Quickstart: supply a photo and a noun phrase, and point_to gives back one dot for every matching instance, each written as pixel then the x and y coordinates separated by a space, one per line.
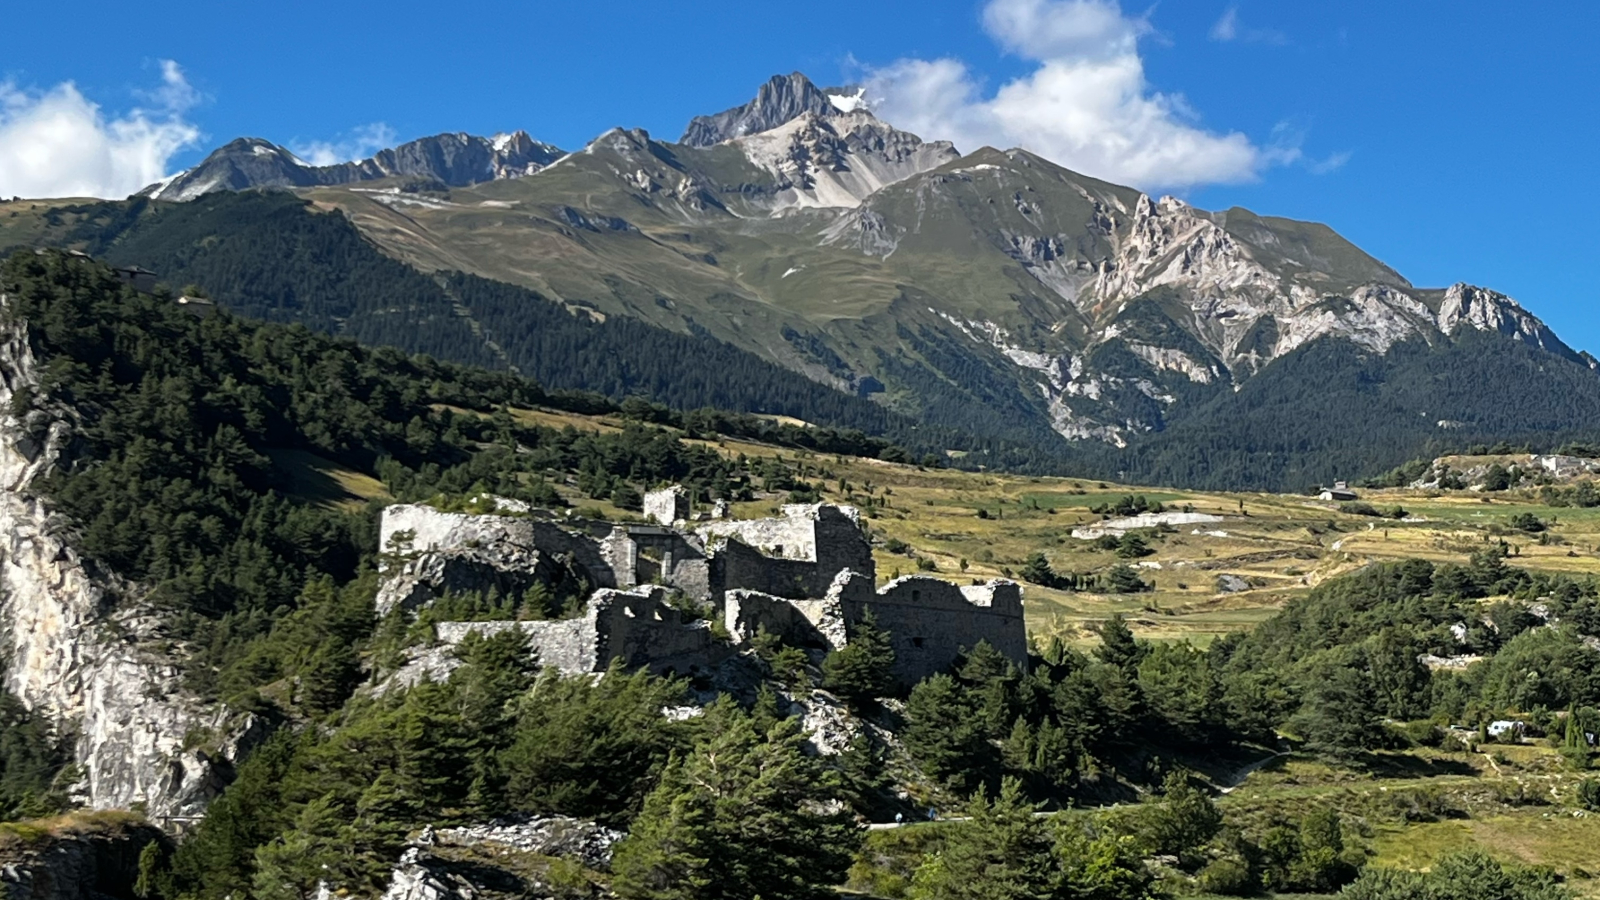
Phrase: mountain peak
pixel 456 159
pixel 781 99
pixel 1469 306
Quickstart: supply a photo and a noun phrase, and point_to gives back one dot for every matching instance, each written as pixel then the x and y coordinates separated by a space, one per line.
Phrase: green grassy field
pixel 1513 802
pixel 315 479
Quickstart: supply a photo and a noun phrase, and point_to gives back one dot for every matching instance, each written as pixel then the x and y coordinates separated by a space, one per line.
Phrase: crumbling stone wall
pixel 796 555
pixel 454 552
pixel 930 621
pixel 674 559
pixel 816 624
pixel 667 506
pixel 806 577
pixel 636 626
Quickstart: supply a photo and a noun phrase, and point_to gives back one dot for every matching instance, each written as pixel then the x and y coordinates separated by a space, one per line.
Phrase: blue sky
pixel 1455 141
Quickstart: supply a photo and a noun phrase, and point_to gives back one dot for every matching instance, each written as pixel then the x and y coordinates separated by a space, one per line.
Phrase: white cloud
pixel 1228 28
pixel 360 143
pixel 1331 163
pixel 1284 149
pixel 58 143
pixel 1086 105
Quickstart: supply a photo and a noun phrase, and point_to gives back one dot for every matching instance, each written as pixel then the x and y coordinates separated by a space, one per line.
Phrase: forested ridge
pixel 1329 411
pixel 270 255
pixel 174 418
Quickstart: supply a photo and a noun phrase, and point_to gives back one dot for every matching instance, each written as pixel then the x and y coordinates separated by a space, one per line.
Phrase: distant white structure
pixel 1340 491
pixel 1504 727
pixel 1126 524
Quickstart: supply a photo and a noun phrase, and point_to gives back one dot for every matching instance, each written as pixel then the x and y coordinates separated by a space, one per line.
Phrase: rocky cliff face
pixel 455 160
pixel 86 858
pixel 782 99
pixel 1466 306
pixel 509 857
pixel 836 161
pixel 78 642
pixel 1138 303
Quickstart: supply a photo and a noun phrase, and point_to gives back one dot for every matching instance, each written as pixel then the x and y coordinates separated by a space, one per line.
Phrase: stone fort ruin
pixel 806 576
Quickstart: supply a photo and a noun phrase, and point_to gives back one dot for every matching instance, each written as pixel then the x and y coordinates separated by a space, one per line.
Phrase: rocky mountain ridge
pixel 782 99
pixel 994 290
pixel 455 160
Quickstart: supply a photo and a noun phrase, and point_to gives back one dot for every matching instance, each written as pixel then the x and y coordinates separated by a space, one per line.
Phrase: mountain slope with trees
pixel 169 481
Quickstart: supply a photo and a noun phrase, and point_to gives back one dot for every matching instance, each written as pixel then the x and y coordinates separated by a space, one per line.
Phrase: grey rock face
pixel 433 868
pixel 1467 306
pixel 559 836
pixel 455 160
pixel 80 645
pixel 837 160
pixel 101 862
pixel 1231 584
pixel 505 569
pixel 783 98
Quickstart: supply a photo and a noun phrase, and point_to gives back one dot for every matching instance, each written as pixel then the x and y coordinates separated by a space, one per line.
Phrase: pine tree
pixel 1184 819
pixel 942 733
pixel 1118 647
pixel 666 853
pixel 862 669
pixel 1037 570
pixel 1003 852
pixel 743 816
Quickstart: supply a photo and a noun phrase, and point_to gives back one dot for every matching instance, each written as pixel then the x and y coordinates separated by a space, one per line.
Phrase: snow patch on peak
pixel 849 102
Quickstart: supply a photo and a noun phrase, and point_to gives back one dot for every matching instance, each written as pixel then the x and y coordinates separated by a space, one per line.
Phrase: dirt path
pixel 1238 777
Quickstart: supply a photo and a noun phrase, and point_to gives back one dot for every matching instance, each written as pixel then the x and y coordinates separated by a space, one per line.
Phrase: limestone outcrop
pixel 505 857
pixel 83 860
pixel 79 643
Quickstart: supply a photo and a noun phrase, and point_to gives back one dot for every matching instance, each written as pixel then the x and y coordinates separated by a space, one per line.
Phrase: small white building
pixel 1340 491
pixel 1506 728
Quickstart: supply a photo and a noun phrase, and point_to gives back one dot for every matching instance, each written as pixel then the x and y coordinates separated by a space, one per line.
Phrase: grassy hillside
pixel 272 256
pixel 1280 545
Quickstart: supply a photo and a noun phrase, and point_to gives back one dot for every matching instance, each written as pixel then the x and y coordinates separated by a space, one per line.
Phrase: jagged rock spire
pixel 782 99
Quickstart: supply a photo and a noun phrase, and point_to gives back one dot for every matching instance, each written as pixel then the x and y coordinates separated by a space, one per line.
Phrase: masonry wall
pixel 791 536
pixel 807 577
pixel 640 629
pixel 795 556
pixel 676 560
pixel 930 621
pixel 667 505
pixel 568 644
pixel 636 626
pixel 738 567
pixel 815 624
pixel 435 530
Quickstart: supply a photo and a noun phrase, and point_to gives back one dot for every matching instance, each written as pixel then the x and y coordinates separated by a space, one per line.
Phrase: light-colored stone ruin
pixel 654 590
